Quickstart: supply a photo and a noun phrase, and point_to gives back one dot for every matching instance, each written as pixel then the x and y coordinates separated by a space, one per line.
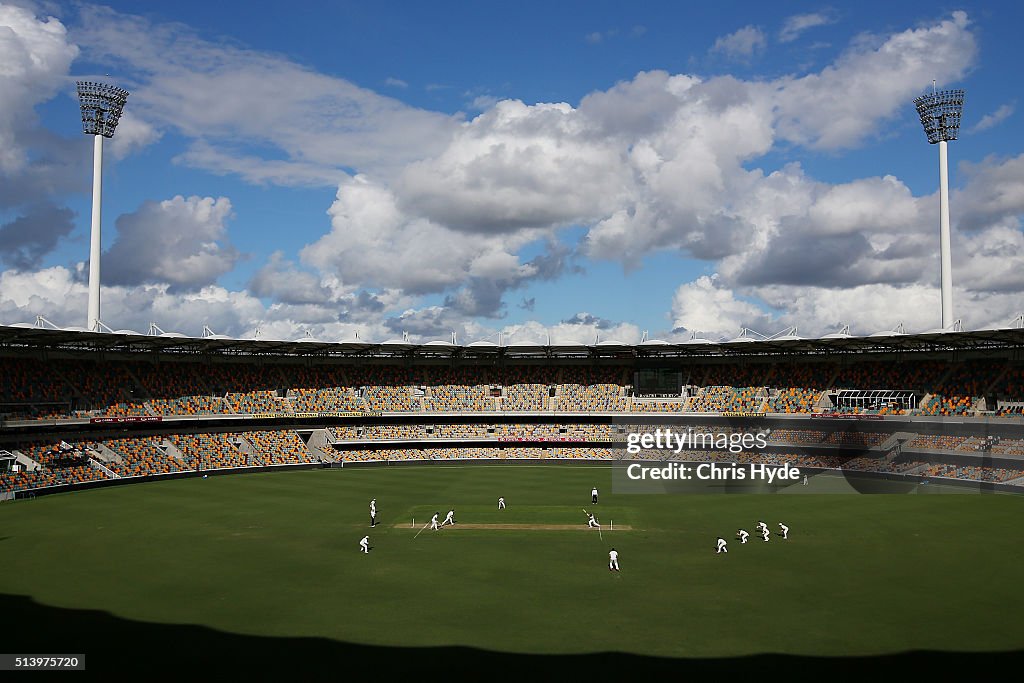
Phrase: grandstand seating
pixel 720 399
pixel 166 386
pixel 144 456
pixel 584 389
pixel 527 388
pixel 320 389
pixel 282 447
pixel 210 451
pixel 157 455
pixel 68 388
pixel 59 466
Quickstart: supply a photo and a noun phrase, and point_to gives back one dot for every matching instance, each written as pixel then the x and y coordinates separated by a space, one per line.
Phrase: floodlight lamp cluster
pixel 101 107
pixel 940 114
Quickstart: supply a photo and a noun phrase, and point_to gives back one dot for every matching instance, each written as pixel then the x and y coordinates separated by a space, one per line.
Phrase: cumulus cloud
pixel 664 161
pixel 375 243
pixel 869 230
pixel 133 133
pixel 60 294
pixel 35 56
pixel 25 240
pixel 56 293
pixel 579 329
pixel 515 166
pixel 436 219
pixel 180 241
pixel 713 311
pixel 741 44
pixel 282 281
pixel 991 261
pixel 430 323
pixel 814 110
pixel 37 166
pixel 994 194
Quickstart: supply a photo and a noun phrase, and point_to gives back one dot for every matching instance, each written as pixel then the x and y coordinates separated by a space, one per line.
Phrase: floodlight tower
pixel 101 110
pixel 940 115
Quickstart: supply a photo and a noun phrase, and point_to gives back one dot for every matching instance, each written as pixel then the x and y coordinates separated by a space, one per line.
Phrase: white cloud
pixel 228 95
pixel 706 307
pixel 581 329
pixel 515 166
pixel 994 194
pixel 795 25
pixel 180 241
pixel 281 280
pixel 47 292
pixel 657 162
pixel 741 44
pixel 60 295
pixel 35 56
pixel 374 243
pixel 842 104
pixel 26 239
pixel 132 134
pixel 871 308
pixel 482 102
pixel 991 260
pixel 992 120
pixel 447 208
pixel 223 159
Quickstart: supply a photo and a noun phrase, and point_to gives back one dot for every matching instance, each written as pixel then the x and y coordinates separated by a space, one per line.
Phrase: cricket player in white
pixel 721 546
pixel 449 518
pixel 785 531
pixel 613 560
pixel 593 495
pixel 373 512
pixel 433 521
pixel 501 503
pixel 764 534
pixel 761 526
pixel 742 535
pixel 364 545
pixel 805 480
pixel 592 521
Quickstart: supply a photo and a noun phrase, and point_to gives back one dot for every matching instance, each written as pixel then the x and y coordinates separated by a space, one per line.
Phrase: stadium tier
pixel 61 463
pixel 66 389
pixel 65 404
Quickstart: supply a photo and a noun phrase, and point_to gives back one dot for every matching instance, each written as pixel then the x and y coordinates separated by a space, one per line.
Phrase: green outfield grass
pixel 276 555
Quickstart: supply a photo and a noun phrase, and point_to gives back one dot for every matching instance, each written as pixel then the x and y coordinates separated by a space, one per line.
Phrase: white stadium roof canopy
pixel 27 337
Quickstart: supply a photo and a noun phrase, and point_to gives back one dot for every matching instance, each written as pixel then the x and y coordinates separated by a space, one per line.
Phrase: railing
pixel 104 469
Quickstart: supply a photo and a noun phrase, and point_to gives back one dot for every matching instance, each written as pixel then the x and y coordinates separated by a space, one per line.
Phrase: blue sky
pixel 572 169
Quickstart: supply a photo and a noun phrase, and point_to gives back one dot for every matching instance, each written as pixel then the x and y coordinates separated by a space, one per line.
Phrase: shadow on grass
pixel 113 646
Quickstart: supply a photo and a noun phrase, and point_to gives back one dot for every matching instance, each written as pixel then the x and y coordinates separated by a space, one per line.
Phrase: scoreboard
pixel 662 381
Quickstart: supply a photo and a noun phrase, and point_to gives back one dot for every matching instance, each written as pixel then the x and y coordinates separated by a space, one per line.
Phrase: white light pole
pixel 940 115
pixel 101 110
